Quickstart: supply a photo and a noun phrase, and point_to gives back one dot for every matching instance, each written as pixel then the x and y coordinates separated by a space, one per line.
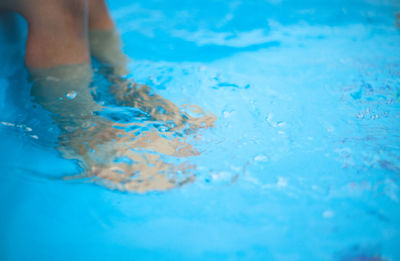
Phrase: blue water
pixel 303 162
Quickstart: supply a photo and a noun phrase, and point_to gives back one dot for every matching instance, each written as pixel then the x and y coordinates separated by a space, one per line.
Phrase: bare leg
pixel 57 55
pixel 57 31
pixel 106 47
pixel 99 17
pixel 104 41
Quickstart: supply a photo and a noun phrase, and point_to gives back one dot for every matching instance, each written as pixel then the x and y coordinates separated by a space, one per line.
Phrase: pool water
pixel 302 163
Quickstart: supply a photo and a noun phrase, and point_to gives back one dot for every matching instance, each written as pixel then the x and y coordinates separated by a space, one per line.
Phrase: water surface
pixel 302 163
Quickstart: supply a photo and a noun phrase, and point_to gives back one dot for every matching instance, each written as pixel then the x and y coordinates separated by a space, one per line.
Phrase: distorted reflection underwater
pixel 132 142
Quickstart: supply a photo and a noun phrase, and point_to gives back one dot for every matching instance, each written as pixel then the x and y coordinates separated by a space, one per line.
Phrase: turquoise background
pixel 302 164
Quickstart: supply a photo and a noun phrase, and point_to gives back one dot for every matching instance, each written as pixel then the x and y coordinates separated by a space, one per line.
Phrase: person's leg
pixel 99 16
pixel 106 47
pixel 57 54
pixel 57 31
pixel 104 41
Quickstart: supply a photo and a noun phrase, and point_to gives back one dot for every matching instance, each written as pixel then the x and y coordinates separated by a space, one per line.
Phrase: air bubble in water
pixel 71 95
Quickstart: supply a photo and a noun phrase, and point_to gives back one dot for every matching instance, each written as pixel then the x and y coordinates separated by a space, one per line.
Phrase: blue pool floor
pixel 302 163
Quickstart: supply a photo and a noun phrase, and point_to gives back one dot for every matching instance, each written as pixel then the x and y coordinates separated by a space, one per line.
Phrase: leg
pixel 57 31
pixel 105 46
pixel 99 17
pixel 57 53
pixel 104 41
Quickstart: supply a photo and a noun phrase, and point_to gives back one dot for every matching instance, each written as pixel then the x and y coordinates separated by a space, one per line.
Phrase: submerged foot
pixel 138 155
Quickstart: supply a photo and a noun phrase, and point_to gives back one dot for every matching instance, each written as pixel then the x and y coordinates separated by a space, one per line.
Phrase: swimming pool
pixel 302 162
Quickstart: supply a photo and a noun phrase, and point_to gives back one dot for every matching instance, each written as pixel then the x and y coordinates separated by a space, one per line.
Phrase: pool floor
pixel 302 163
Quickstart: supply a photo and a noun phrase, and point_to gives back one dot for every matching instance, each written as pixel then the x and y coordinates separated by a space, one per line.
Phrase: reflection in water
pixel 136 141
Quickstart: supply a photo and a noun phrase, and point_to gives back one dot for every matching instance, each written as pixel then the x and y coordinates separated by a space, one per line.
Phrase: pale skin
pixel 58 29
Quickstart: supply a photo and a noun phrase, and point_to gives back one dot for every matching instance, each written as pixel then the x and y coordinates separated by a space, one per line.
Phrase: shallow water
pixel 302 162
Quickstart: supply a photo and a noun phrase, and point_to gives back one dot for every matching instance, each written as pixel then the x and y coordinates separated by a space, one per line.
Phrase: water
pixel 302 162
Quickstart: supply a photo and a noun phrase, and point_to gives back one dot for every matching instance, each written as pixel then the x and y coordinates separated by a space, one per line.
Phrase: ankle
pixel 64 90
